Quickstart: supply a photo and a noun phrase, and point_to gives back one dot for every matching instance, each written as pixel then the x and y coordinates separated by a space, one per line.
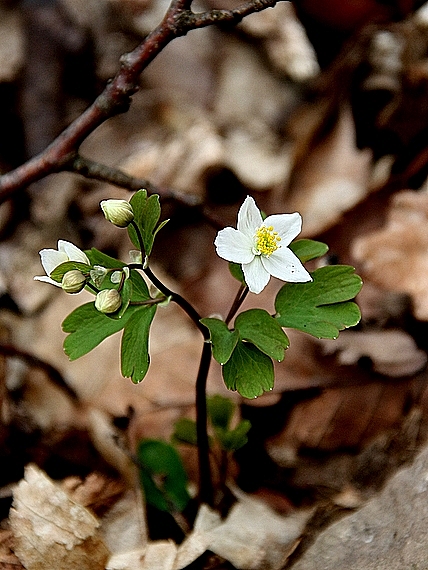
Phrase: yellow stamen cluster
pixel 266 240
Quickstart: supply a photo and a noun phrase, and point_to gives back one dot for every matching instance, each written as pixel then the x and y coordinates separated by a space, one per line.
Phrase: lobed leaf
pixel 262 330
pixel 135 357
pixel 87 328
pixel 248 371
pixel 322 307
pixel 220 411
pixel 162 475
pixel 223 340
pixel 307 249
pixel 147 212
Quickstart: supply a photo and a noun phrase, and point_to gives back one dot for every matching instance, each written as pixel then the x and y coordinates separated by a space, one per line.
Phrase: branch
pixel 97 171
pixel 116 97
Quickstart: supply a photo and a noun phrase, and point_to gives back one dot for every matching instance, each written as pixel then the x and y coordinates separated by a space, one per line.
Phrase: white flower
pixel 118 212
pixel 108 301
pixel 51 258
pixel 261 246
pixel 73 281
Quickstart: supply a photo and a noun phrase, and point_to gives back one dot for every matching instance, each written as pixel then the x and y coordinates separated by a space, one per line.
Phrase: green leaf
pixel 138 203
pixel 97 257
pixel 59 271
pixel 135 344
pixel 126 294
pixel 220 411
pixel 88 327
pixel 321 308
pixel 307 249
pixel 140 291
pixel 248 371
pixel 147 212
pixel 262 330
pixel 162 475
pixel 232 440
pixel 185 431
pixel 236 271
pixel 223 340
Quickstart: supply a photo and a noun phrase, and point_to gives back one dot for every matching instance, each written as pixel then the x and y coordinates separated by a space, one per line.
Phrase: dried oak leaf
pixel 393 352
pixel 396 257
pixel 51 530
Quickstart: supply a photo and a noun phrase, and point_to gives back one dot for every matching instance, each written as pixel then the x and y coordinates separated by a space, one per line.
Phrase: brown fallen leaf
pixel 392 352
pixel 396 257
pixel 252 537
pixel 51 530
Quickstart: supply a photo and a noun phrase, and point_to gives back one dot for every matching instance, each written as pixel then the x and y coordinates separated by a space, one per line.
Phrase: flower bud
pixel 118 212
pixel 73 281
pixel 108 301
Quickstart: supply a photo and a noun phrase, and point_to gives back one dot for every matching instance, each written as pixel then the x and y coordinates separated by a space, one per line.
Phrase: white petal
pixel 288 226
pixel 46 280
pixel 51 258
pixel 256 276
pixel 73 252
pixel 286 266
pixel 234 246
pixel 249 218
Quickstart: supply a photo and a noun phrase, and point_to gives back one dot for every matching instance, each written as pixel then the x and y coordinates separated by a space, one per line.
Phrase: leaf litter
pixel 311 446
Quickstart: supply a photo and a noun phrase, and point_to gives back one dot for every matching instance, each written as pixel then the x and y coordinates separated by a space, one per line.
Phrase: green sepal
pixel 223 340
pixel 162 475
pixel 59 271
pixel 307 249
pixel 322 307
pixel 262 330
pixel 248 371
pixel 87 328
pixel 135 357
pixel 236 271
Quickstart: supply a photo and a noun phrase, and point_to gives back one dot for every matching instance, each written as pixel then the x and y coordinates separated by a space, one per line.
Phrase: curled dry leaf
pixel 396 257
pixel 286 42
pixel 51 530
pixel 393 352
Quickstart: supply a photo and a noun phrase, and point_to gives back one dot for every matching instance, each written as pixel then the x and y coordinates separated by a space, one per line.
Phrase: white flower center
pixel 266 241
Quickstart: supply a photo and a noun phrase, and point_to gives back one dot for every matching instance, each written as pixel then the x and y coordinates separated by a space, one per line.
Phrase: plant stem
pixel 239 299
pixel 206 494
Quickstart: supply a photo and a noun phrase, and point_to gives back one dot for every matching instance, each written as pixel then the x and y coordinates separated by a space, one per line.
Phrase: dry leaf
pixel 396 257
pixel 252 537
pixel 393 352
pixel 51 530
pixel 331 179
pixel 124 525
pixel 287 45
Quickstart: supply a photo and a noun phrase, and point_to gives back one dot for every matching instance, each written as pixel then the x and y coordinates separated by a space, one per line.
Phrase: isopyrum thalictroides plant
pixel 318 303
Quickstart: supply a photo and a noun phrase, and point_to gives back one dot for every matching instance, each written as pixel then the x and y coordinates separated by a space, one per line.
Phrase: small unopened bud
pixel 73 281
pixel 108 301
pixel 118 212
